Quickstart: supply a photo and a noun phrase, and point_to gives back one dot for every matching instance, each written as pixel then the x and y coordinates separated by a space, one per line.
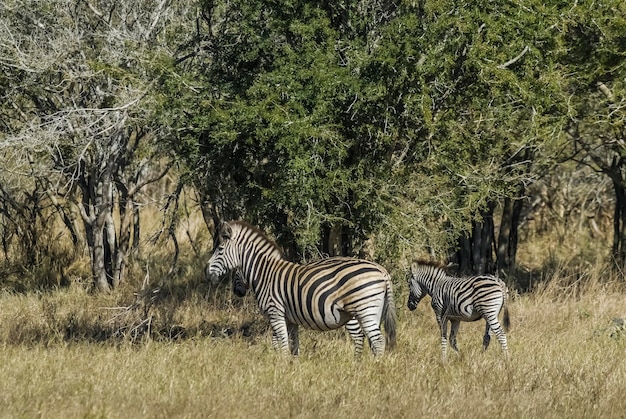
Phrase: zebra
pixel 321 295
pixel 460 299
pixel 240 289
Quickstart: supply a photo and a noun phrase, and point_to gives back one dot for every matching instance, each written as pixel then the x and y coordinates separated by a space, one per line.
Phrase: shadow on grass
pixel 165 313
pixel 186 307
pixel 98 333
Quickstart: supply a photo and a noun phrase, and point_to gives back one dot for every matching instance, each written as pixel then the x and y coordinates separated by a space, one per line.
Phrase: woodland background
pixel 385 130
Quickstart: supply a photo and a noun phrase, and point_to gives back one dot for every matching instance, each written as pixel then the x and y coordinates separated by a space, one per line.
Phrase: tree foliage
pixel 373 128
pixel 315 117
pixel 595 52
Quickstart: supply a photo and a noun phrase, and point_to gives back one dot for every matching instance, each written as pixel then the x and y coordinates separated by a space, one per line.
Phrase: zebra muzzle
pixel 212 276
pixel 239 289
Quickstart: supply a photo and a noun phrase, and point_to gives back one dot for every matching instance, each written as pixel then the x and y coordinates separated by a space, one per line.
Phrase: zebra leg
pixel 294 344
pixel 454 329
pixel 280 337
pixel 356 333
pixel 501 337
pixel 443 325
pixel 494 324
pixel 371 327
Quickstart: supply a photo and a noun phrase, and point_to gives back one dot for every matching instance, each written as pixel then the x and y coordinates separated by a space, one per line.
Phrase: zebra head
pixel 417 291
pixel 226 255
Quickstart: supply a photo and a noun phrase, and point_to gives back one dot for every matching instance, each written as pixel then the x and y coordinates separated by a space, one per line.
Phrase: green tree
pixel 404 123
pixel 490 85
pixel 594 60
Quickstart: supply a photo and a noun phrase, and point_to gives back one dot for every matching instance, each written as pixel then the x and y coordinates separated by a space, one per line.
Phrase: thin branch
pixel 514 59
pixel 154 178
pixel 157 16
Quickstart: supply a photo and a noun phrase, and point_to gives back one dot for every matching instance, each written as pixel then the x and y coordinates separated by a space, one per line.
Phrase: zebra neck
pixel 261 268
pixel 434 281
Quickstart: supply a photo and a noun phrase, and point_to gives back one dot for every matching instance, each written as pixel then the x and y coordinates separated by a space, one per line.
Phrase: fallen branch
pixel 130 325
pixel 515 59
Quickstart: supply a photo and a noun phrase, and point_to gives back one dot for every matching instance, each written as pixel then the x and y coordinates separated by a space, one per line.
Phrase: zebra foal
pixel 457 299
pixel 322 295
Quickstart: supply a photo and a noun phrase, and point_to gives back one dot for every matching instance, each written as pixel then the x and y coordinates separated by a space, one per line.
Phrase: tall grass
pixel 72 354
pixel 182 348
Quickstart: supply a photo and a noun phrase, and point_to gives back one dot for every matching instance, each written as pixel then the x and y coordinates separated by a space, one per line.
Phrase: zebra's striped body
pixel 240 288
pixel 460 299
pixel 321 295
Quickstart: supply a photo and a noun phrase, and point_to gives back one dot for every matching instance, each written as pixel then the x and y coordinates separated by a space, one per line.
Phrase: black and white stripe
pixel 460 299
pixel 322 295
pixel 240 289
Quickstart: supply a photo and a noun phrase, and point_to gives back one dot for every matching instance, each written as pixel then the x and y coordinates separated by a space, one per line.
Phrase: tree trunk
pixel 475 252
pixel 482 255
pixel 619 222
pixel 488 242
pixel 463 254
pixel 478 265
pixel 508 236
pixel 136 227
pixel 210 213
pixel 95 209
pixel 504 237
pixel 518 205
pixel 98 260
pixel 110 250
pixel 126 209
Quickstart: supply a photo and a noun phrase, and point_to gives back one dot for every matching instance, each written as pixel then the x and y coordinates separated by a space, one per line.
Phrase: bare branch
pixel 515 59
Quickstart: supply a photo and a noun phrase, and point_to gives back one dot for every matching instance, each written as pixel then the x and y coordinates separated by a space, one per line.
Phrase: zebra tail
pixel 389 313
pixel 506 319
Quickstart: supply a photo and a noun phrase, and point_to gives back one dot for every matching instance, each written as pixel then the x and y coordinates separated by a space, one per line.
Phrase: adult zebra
pixel 322 295
pixel 460 299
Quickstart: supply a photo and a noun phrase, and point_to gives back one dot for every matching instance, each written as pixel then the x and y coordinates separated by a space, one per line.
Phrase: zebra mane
pixel 244 225
pixel 432 263
pixel 421 265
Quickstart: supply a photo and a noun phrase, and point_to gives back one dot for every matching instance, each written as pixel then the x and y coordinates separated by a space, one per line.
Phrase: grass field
pixel 198 352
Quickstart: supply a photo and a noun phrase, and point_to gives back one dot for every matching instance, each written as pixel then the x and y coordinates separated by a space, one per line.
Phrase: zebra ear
pixel 414 267
pixel 225 232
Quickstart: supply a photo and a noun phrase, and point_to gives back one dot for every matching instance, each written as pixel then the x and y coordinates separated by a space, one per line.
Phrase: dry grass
pixel 209 355
pixel 180 348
